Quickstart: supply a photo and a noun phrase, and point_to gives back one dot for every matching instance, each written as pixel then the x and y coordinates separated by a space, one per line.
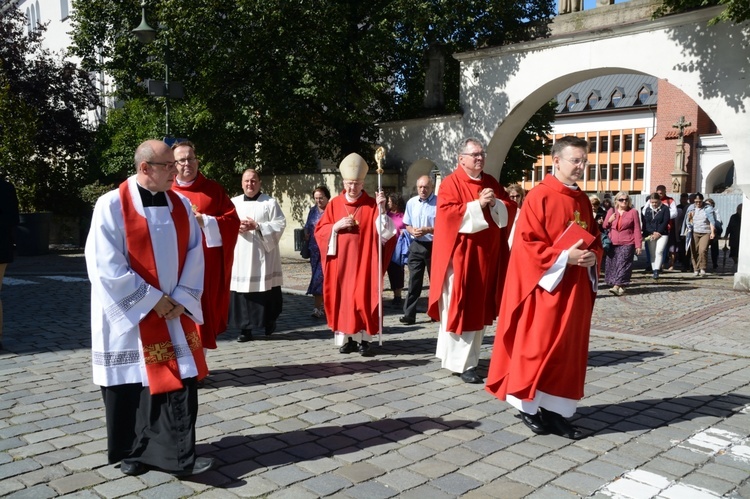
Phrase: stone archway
pixel 504 86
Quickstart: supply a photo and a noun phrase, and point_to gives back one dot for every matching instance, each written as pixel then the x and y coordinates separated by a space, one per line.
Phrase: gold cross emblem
pixel 577 216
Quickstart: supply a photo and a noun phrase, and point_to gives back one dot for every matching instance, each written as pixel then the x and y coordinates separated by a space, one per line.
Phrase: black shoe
pixel 406 320
pixel 534 423
pixel 270 328
pixel 470 376
pixel 366 350
pixel 558 425
pixel 245 335
pixel 350 346
pixel 397 302
pixel 202 464
pixel 132 468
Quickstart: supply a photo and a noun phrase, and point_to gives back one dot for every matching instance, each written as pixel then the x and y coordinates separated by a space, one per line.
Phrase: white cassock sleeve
pixel 273 228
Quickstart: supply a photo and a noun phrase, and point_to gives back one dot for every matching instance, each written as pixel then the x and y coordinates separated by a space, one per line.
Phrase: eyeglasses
pixel 167 166
pixel 185 161
pixel 622 200
pixel 514 196
pixel 475 155
pixel 577 161
pixel 352 183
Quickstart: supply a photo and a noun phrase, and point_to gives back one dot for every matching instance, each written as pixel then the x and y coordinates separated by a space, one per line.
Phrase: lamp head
pixel 145 33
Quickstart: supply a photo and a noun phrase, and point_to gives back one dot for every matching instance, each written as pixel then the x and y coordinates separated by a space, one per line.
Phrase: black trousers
pixel 255 310
pixel 420 258
pixel 156 430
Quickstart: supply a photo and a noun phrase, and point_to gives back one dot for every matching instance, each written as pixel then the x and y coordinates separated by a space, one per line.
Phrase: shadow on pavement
pixel 640 416
pixel 267 375
pixel 599 358
pixel 242 454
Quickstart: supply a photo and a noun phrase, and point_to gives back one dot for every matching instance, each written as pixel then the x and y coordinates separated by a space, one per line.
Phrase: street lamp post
pixel 146 34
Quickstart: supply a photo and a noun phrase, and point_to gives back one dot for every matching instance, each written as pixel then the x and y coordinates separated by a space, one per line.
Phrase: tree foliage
pixel 43 133
pixel 283 84
pixel 735 10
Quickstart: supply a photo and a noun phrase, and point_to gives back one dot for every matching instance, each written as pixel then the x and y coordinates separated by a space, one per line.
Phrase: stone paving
pixel 667 405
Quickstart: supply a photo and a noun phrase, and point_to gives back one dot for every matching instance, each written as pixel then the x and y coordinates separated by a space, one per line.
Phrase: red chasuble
pixel 479 260
pixel 210 198
pixel 159 354
pixel 350 277
pixel 542 338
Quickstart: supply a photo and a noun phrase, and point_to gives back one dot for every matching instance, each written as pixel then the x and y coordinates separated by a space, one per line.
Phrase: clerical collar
pixel 149 198
pixel 350 199
pixel 254 198
pixel 184 184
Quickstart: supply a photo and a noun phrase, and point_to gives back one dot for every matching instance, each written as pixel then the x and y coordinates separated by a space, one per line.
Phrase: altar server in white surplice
pixel 144 257
pixel 255 299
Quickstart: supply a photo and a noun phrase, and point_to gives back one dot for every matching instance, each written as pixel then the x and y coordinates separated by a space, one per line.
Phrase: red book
pixel 572 235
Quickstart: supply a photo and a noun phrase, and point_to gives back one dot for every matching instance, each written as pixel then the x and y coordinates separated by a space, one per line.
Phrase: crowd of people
pixel 174 262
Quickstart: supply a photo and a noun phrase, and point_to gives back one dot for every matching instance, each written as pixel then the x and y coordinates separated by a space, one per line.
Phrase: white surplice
pixel 120 299
pixel 257 260
pixel 459 352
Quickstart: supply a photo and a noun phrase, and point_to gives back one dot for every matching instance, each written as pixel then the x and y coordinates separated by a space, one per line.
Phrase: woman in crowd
pixel 714 246
pixel 516 193
pixel 321 195
pixel 733 234
pixel 700 228
pixel 656 231
pixel 599 214
pixel 624 225
pixel 396 207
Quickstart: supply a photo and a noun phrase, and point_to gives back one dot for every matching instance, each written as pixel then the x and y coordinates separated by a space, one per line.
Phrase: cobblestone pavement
pixel 667 405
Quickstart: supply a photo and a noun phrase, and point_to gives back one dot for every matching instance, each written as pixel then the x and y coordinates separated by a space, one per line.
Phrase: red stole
pixel 158 351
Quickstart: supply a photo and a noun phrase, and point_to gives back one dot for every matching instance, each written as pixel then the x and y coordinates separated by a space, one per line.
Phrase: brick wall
pixel 673 103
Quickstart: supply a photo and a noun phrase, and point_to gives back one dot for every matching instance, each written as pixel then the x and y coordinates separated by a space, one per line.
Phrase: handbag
pixel 606 241
pixel 304 252
pixel 401 253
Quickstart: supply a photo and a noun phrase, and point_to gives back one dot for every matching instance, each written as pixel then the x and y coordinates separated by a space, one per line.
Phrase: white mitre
pixel 353 167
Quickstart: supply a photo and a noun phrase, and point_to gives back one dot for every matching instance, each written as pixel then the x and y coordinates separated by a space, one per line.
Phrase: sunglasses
pixel 622 200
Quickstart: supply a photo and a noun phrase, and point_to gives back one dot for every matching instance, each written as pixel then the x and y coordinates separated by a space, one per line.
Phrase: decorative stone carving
pixel 568 6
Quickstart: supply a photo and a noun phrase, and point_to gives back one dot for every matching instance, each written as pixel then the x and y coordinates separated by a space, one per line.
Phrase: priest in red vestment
pixel 469 259
pixel 541 346
pixel 219 222
pixel 348 235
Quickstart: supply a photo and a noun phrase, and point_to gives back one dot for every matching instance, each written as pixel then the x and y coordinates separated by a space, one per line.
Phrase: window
pixel 615 172
pixel 592 171
pixel 627 171
pixel 539 173
pixel 615 143
pixel 571 102
pixel 593 100
pixel 639 171
pixel 603 144
pixel 640 141
pixel 616 97
pixel 628 143
pixel 644 93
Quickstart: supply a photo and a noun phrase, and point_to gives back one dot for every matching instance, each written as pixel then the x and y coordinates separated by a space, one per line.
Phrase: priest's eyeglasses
pixel 475 155
pixel 577 161
pixel 167 166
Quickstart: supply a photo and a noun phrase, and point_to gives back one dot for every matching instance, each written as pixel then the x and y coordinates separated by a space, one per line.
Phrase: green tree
pixel 735 10
pixel 43 132
pixel 283 84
